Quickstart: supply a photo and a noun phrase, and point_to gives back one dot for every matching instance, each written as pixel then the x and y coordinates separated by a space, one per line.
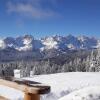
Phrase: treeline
pixel 82 61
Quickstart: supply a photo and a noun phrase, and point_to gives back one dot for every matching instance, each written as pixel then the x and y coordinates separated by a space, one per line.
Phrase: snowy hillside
pixel 63 84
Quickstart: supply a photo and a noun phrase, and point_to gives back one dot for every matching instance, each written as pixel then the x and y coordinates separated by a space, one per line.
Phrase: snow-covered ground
pixel 87 93
pixel 71 85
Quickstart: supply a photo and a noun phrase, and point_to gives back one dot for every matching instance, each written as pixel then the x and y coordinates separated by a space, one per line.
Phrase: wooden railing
pixel 32 90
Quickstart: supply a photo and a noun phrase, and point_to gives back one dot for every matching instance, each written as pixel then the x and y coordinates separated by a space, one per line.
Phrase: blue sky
pixel 49 17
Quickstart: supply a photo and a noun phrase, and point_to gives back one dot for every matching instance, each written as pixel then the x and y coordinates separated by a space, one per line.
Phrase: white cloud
pixel 30 9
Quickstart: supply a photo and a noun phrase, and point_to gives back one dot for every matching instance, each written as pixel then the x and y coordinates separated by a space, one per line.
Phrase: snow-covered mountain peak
pixel 50 43
pixel 27 39
pixel 98 44
pixel 71 46
pixel 2 44
pixel 82 38
pixel 27 42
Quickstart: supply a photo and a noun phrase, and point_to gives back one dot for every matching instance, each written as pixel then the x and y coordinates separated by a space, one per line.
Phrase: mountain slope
pixel 49 46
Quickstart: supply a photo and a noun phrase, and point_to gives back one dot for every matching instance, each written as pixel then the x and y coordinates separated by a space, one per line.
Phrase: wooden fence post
pixel 28 96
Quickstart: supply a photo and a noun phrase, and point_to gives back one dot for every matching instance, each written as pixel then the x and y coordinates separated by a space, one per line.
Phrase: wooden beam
pixel 27 88
pixel 32 90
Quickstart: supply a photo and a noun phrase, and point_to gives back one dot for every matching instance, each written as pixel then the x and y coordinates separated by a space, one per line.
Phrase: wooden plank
pixel 25 85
